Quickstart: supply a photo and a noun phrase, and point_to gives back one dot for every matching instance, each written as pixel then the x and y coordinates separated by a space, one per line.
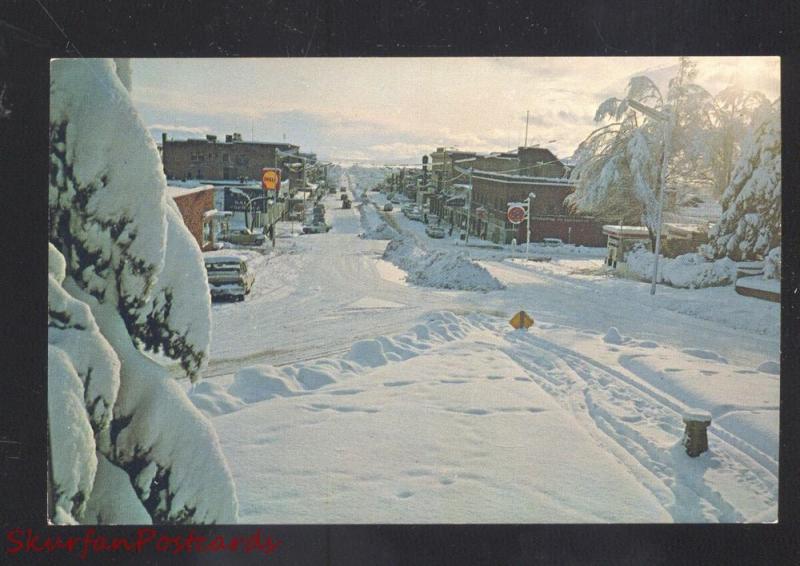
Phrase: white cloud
pixel 371 106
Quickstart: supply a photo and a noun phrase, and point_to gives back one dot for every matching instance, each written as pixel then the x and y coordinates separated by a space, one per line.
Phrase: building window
pixel 225 158
pixel 194 157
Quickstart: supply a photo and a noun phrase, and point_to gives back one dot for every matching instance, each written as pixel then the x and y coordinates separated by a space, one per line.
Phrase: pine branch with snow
pixel 126 277
pixel 750 225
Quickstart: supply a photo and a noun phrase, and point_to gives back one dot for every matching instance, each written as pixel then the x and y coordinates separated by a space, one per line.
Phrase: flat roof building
pixel 209 159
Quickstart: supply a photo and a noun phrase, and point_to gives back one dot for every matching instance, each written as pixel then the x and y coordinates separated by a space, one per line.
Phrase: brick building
pixel 194 205
pixel 501 178
pixel 209 159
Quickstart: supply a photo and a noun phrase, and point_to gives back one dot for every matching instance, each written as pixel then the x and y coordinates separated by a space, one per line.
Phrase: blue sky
pixel 394 110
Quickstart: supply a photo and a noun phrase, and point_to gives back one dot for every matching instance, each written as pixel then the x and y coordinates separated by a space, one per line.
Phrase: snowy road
pixel 360 398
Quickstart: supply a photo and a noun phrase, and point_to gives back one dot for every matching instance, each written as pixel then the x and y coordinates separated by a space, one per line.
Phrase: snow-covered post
pixel 695 439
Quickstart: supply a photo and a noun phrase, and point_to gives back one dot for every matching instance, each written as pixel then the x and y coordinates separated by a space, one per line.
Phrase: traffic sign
pixel 521 320
pixel 516 214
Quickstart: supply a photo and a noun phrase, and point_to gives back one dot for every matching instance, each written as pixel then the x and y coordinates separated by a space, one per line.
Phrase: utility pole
pixel 531 196
pixel 527 114
pixel 469 206
pixel 662 189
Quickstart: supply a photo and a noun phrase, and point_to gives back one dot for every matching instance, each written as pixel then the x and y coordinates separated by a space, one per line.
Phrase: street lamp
pixel 668 118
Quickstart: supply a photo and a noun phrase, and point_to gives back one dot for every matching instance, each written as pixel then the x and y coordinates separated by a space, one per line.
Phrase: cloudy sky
pixel 394 110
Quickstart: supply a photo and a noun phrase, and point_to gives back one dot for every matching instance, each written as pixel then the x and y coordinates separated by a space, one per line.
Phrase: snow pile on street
pixel 688 271
pixel 374 227
pixel 439 268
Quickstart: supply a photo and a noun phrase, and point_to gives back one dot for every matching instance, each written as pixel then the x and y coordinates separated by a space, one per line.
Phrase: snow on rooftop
pixel 633 231
pixel 173 191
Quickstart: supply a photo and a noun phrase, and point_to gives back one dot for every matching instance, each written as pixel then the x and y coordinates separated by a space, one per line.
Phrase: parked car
pixel 228 277
pixel 343 197
pixel 332 191
pixel 346 203
pixel 316 228
pixel 414 214
pixel 434 231
pixel 243 237
pixel 396 200
pixel 388 207
pixel 343 189
pixel 552 242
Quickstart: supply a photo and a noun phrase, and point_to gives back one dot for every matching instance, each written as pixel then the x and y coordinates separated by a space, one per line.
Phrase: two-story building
pixel 210 159
pixel 490 182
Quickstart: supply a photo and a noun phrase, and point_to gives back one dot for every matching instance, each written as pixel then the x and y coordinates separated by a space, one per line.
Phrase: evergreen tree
pixel 126 444
pixel 750 225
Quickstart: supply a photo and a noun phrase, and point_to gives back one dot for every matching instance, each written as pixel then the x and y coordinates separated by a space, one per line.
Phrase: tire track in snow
pixel 605 392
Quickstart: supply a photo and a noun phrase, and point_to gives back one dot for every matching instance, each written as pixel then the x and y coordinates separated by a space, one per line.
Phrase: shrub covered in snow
pixel 688 271
pixel 125 276
pixel 772 264
pixel 439 268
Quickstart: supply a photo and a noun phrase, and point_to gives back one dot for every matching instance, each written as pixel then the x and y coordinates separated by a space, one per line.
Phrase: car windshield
pixel 222 266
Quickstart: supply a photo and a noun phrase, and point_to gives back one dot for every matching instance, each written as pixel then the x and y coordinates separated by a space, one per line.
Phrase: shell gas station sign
pixel 270 179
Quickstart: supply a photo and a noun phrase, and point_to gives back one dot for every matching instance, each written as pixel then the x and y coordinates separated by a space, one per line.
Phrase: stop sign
pixel 516 214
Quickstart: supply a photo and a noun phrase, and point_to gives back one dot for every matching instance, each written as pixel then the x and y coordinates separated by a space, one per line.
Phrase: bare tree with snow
pixel 126 278
pixel 618 166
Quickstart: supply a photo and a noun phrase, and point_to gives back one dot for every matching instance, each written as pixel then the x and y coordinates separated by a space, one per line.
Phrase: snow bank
pixel 257 383
pixel 314 378
pixel 440 268
pixel 688 271
pixel 770 367
pixel 367 353
pixel 213 399
pixel 613 336
pixel 374 227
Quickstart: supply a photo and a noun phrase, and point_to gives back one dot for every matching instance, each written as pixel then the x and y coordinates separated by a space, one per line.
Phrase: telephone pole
pixel 527 115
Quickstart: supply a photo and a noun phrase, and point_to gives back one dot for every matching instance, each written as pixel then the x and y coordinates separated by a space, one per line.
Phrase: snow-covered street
pixel 344 393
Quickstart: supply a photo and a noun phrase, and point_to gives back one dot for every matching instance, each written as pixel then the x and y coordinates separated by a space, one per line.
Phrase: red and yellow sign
pixel 521 320
pixel 270 179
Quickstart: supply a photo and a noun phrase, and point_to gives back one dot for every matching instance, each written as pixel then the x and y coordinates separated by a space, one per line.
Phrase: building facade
pixel 209 159
pixel 194 204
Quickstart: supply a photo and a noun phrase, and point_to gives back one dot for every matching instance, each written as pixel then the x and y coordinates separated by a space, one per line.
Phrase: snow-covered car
pixel 414 214
pixel 396 200
pixel 388 207
pixel 434 231
pixel 243 237
pixel 228 277
pixel 553 242
pixel 316 228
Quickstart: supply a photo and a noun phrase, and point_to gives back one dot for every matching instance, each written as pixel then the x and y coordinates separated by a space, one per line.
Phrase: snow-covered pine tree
pixel 126 277
pixel 750 225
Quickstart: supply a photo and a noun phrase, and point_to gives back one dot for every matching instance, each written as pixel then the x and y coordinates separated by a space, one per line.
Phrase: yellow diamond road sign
pixel 521 320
